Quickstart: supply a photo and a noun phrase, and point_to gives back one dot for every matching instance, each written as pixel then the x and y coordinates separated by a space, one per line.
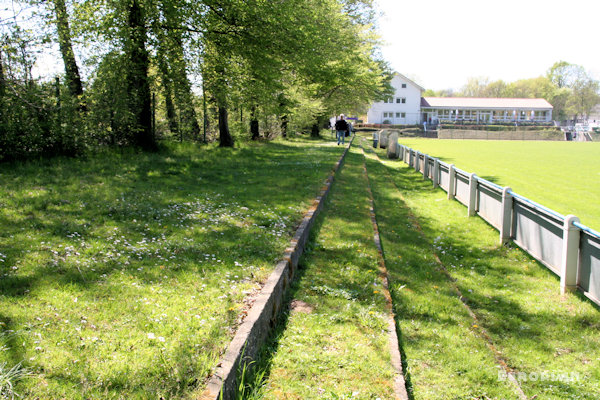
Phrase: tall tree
pixel 167 86
pixel 564 74
pixel 2 83
pixel 170 30
pixel 584 96
pixel 66 49
pixel 137 78
pixel 475 87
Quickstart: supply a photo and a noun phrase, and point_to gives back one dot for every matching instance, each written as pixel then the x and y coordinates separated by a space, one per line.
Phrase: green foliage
pixel 36 118
pixel 109 116
pixel 279 64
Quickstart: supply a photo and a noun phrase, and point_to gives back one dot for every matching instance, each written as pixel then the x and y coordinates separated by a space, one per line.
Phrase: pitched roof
pixel 409 80
pixel 484 102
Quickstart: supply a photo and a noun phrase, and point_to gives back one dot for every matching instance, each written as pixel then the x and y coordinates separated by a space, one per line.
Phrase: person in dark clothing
pixel 341 126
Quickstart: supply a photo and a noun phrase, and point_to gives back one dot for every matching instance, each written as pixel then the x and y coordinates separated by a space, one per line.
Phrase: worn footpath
pixel 333 341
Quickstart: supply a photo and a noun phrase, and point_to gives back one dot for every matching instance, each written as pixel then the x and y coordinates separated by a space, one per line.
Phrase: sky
pixel 441 43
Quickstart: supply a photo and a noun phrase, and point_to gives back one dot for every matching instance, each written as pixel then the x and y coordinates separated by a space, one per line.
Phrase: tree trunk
pixel 283 112
pixel 66 49
pixel 204 110
pixel 137 79
pixel 168 92
pixel 2 85
pixel 189 116
pixel 319 124
pixel 315 130
pixel 225 139
pixel 254 129
pixel 284 125
pixel 182 86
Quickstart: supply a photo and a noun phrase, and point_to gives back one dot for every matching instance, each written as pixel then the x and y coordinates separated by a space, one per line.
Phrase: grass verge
pixel 124 275
pixel 332 343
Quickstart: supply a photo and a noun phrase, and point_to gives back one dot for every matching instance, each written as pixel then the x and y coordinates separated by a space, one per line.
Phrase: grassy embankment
pixel 553 339
pixel 124 275
pixel 563 176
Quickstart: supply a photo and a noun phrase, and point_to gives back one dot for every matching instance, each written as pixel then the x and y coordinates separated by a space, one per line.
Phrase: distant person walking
pixel 341 127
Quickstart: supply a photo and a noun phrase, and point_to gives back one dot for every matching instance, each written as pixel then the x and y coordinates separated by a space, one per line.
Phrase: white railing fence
pixel 566 247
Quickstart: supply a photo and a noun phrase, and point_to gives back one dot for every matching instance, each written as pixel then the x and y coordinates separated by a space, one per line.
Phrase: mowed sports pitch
pixel 563 176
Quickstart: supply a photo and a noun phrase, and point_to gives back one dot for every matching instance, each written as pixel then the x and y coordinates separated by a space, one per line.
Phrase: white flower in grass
pixel 161 339
pixel 151 336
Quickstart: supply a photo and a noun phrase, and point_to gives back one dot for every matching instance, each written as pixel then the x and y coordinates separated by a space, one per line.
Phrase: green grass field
pixel 563 176
pixel 124 275
pixel 516 301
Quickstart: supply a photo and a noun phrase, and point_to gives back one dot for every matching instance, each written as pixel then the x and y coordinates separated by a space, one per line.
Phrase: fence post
pixel 417 160
pixel 436 173
pixel 451 183
pixel 506 217
pixel 472 208
pixel 570 255
pixel 425 166
pixel 451 179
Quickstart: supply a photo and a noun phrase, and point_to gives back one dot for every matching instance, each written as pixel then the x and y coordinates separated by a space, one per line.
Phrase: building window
pixel 403 100
pixel 404 86
pixel 402 115
pixel 397 115
pixel 389 100
pixel 398 100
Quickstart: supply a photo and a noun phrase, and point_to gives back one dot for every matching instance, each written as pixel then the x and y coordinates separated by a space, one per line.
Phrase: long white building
pixel 408 107
pixel 485 110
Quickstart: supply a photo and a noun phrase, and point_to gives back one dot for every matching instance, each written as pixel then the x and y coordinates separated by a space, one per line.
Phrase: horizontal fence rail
pixel 561 243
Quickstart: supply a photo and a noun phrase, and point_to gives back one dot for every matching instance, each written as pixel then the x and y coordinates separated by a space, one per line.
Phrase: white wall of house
pixel 404 108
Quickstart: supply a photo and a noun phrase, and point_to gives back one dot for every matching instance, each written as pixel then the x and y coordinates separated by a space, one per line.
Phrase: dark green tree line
pixel 274 66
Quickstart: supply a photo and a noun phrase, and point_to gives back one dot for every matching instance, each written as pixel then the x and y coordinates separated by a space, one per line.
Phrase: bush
pixel 34 122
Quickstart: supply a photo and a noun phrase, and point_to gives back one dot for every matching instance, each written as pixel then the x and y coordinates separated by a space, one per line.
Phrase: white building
pixel 404 108
pixel 485 110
